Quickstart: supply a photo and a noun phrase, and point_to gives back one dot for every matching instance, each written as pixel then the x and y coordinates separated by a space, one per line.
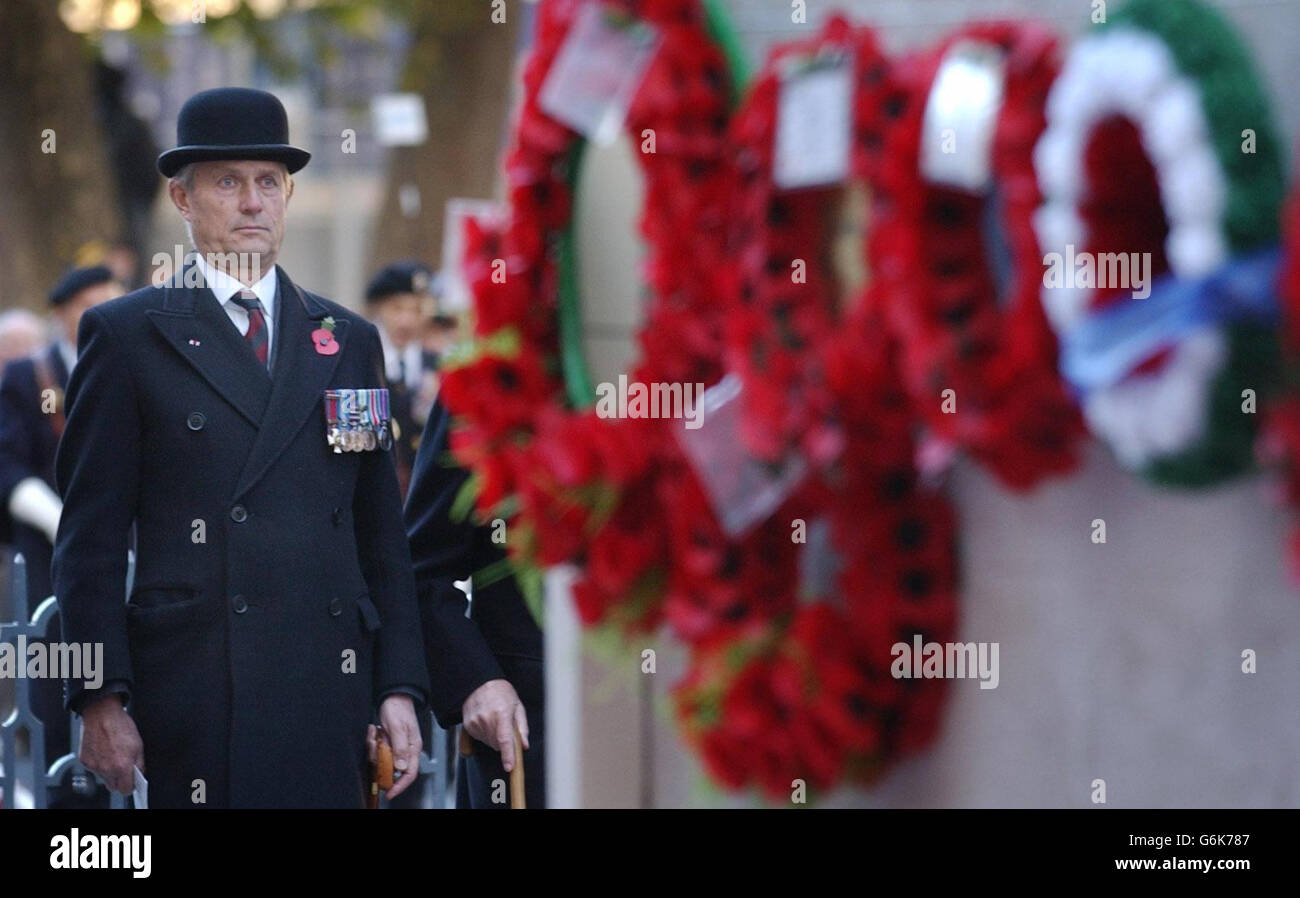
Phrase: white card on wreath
pixel 455 295
pixel 596 74
pixel 814 123
pixel 742 491
pixel 961 117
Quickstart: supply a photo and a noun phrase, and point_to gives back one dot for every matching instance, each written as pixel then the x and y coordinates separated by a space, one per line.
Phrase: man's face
pixel 400 314
pixel 236 207
pixel 69 312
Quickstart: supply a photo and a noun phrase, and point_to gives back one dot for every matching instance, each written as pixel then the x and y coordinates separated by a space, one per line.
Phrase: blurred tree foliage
pixel 56 190
pixel 52 205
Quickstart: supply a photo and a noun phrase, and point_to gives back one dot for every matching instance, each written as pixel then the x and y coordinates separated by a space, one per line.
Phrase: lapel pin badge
pixel 323 337
pixel 194 342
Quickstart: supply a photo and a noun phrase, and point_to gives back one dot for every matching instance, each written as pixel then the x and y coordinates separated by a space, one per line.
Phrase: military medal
pixel 333 429
pixel 365 439
pixel 385 431
pixel 357 420
pixel 348 412
pixel 377 417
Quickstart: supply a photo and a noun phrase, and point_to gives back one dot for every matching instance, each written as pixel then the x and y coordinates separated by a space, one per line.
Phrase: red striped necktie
pixel 256 335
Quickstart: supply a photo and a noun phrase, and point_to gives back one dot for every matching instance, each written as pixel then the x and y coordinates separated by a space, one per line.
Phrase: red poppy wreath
pixel 808 693
pixel 960 264
pixel 617 497
pixel 574 486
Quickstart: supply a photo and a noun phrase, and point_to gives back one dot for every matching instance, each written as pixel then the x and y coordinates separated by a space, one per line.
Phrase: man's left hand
pixel 397 716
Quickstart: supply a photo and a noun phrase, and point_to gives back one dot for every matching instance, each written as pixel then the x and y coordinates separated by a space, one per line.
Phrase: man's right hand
pixel 110 743
pixel 491 714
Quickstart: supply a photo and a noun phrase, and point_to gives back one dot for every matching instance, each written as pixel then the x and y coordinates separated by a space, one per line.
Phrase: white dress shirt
pixel 405 365
pixel 225 288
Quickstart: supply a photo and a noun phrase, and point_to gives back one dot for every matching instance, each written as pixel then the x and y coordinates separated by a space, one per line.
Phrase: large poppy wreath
pixel 779 689
pixel 1160 148
pixel 571 485
pixel 808 692
pixel 978 358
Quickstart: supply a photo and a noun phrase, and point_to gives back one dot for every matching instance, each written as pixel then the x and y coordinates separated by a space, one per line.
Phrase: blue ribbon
pixel 1107 346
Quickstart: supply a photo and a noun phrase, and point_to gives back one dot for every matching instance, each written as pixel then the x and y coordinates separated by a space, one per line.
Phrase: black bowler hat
pixel 74 280
pixel 400 277
pixel 232 123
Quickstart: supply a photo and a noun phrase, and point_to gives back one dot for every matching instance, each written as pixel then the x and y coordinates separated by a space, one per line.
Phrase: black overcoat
pixel 263 558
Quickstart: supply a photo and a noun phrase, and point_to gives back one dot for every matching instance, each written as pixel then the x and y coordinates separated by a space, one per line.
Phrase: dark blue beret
pixel 75 280
pixel 400 277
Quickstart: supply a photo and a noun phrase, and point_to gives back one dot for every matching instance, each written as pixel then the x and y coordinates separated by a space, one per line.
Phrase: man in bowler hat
pixel 236 421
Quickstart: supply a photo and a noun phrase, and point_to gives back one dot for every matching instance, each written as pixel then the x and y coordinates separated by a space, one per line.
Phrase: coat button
pixel 239 514
pixel 195 421
pixel 336 607
pixel 337 517
pixel 239 604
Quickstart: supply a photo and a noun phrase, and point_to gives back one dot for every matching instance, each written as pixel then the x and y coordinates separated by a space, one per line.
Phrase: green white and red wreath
pixel 978 358
pixel 1279 446
pixel 1159 142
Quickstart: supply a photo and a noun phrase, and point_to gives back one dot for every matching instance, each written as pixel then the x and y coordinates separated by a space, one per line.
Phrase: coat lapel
pixel 193 321
pixel 301 375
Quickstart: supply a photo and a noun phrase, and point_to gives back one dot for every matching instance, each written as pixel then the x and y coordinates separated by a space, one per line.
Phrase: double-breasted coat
pixel 264 560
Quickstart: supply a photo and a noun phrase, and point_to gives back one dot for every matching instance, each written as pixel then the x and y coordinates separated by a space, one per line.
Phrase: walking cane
pixel 382 778
pixel 517 796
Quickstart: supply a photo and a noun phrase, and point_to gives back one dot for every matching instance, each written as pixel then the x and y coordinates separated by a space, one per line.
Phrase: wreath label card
pixel 598 71
pixel 814 123
pixel 961 116
pixel 742 490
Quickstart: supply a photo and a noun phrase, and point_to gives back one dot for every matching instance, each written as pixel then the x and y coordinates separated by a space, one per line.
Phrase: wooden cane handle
pixel 381 774
pixel 383 760
pixel 517 796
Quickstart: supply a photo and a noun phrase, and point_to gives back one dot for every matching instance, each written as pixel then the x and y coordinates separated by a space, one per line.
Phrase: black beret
pixel 400 277
pixel 75 280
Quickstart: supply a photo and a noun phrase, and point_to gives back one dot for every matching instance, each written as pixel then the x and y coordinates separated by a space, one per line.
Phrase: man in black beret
pixel 396 301
pixel 240 423
pixel 31 421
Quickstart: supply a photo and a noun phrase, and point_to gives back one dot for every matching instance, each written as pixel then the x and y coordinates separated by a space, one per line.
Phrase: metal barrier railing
pixel 29 781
